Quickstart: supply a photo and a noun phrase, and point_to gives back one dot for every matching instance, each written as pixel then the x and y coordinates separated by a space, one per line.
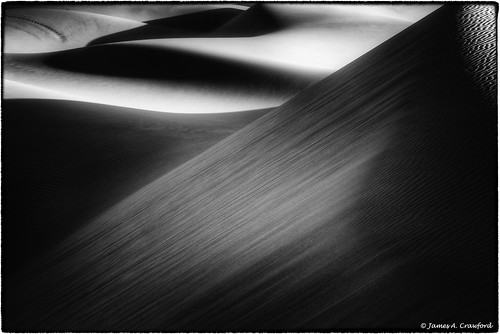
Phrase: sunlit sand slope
pixel 42 30
pixel 368 201
pixel 65 162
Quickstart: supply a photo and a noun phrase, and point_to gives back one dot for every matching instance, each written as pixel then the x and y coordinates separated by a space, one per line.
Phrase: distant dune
pixel 189 25
pixel 202 21
pixel 366 202
pixel 43 30
pixel 157 78
pixel 316 37
pixel 207 61
pixel 268 17
pixel 65 162
pixel 134 11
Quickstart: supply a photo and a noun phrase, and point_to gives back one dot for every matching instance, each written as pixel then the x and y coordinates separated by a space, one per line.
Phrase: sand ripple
pixel 477 33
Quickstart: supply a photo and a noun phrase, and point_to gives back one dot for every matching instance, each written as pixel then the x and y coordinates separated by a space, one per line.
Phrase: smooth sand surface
pixel 65 162
pixel 17 90
pixel 32 30
pixel 368 202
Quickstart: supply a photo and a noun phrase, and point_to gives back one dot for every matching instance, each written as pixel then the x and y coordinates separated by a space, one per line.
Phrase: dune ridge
pixel 365 202
pixel 257 20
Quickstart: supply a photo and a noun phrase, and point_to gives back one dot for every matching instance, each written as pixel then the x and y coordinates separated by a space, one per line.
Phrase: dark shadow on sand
pixel 64 162
pixel 180 67
pixel 224 22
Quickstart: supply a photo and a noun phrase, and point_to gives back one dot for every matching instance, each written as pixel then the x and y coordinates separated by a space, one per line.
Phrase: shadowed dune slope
pixel 171 65
pixel 188 25
pixel 159 78
pixel 65 162
pixel 257 20
pixel 202 21
pixel 263 19
pixel 148 31
pixel 367 201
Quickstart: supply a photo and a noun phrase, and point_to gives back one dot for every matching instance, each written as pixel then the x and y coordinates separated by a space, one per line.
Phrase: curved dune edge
pixel 356 205
pixel 163 79
pixel 17 90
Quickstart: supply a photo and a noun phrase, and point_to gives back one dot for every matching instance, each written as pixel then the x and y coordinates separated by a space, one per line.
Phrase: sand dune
pixel 158 78
pixel 277 16
pixel 201 22
pixel 259 72
pixel 262 19
pixel 257 20
pixel 188 25
pixel 137 12
pixel 315 37
pixel 42 30
pixel 17 90
pixel 365 202
pixel 65 162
